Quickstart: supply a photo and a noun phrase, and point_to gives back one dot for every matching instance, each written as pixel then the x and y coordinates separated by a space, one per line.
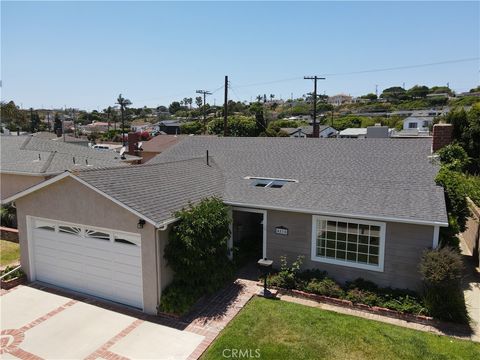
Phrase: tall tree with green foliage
pixel 123 105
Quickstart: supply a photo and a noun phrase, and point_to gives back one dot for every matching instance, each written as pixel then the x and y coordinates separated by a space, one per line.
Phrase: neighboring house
pixel 353 133
pixel 29 160
pixel 158 144
pixel 352 208
pixel 170 127
pixel 307 131
pixel 340 99
pixel 421 123
pixel 97 127
pixel 378 132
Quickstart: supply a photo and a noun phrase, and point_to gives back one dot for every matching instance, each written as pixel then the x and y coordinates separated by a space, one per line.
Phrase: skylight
pixel 270 183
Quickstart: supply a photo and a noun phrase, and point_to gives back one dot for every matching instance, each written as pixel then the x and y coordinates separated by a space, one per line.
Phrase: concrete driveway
pixel 37 324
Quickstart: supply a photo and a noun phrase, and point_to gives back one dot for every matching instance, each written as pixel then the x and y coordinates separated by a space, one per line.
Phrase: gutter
pixel 355 216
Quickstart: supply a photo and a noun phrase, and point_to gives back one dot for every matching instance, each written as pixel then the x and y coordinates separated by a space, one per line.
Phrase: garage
pixel 101 262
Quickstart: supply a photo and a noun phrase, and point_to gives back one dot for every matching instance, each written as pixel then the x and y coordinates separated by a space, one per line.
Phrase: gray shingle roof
pixel 158 190
pixel 34 155
pixel 390 178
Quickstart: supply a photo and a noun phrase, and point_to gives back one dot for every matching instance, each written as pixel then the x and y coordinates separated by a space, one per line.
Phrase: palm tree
pixel 272 96
pixel 123 105
pixel 108 111
pixel 259 98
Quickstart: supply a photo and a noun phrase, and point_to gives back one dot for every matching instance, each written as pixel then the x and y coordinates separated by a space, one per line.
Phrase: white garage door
pixel 99 262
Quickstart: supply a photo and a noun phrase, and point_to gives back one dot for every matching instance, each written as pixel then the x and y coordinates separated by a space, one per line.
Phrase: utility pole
pixel 316 132
pixel 225 108
pixel 376 90
pixel 204 93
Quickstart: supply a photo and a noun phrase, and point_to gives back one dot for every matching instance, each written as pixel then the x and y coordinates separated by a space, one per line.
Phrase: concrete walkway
pixel 471 292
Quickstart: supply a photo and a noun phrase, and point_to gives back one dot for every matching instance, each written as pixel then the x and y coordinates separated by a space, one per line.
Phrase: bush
pixel 326 287
pixel 197 253
pixel 441 272
pixel 453 157
pixel 287 276
pixel 17 273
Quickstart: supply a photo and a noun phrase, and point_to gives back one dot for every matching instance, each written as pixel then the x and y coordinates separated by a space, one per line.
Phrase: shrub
pixel 326 287
pixel 406 304
pixel 197 252
pixel 17 273
pixel 362 285
pixel 454 184
pixel 178 298
pixel 441 272
pixel 287 276
pixel 453 157
pixel 358 296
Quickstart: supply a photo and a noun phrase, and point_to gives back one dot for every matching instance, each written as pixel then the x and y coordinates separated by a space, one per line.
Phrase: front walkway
pixel 471 291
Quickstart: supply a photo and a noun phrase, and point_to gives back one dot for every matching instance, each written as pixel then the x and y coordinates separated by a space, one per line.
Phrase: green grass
pixel 282 330
pixel 9 253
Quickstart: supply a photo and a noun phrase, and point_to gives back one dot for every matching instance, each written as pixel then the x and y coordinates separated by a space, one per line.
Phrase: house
pixel 353 133
pixel 29 160
pixel 159 144
pixel 352 208
pixel 421 123
pixel 97 127
pixel 325 131
pixel 340 99
pixel 170 127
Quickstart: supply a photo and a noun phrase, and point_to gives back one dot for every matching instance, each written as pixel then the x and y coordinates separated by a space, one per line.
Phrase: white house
pixel 421 123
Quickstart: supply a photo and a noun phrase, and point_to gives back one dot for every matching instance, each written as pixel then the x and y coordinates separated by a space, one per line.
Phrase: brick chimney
pixel 442 136
pixel 133 139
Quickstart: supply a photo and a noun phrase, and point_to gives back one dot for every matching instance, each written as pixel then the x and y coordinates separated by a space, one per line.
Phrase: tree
pixel 199 101
pixel 237 126
pixel 257 110
pixel 108 111
pixel 34 121
pixel 174 107
pixel 12 116
pixel 370 96
pixel 190 102
pixel 418 91
pixel 193 127
pixel 123 105
pixel 57 125
pixel 394 93
pixel 272 96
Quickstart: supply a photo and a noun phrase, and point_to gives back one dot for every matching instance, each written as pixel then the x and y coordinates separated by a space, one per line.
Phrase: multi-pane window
pixel 351 242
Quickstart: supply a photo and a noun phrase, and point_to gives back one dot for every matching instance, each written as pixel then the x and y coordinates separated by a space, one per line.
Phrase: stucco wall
pixel 11 184
pixel 404 244
pixel 68 200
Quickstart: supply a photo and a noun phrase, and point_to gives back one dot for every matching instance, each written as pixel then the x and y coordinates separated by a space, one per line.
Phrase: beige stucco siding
pixel 11 184
pixel 68 200
pixel 404 244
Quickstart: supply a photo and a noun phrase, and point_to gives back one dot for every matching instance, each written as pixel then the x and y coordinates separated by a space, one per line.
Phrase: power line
pixel 368 71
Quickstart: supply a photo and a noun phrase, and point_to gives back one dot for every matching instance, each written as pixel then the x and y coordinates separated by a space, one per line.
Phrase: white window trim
pixel 381 251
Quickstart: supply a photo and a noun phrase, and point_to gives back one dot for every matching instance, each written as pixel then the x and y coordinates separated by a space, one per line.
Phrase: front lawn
pixel 282 330
pixel 9 253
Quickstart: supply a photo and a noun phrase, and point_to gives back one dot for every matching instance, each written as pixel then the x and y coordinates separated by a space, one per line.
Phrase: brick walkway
pixel 212 314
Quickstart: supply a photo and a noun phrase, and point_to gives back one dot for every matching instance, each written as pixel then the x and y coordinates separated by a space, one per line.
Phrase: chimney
pixel 442 136
pixel 133 139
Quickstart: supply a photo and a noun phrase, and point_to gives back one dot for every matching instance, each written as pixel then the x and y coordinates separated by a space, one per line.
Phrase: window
pixel 124 241
pixel 348 242
pixel 69 230
pixel 97 235
pixel 412 125
pixel 44 225
pixel 270 183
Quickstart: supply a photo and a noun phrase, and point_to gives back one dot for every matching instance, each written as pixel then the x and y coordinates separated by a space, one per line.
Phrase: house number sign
pixel 281 230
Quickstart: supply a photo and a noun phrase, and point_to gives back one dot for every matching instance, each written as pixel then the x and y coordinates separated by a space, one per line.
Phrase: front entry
pixel 248 235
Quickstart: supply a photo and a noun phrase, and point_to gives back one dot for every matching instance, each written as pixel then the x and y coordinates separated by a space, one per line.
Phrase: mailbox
pixel 265 266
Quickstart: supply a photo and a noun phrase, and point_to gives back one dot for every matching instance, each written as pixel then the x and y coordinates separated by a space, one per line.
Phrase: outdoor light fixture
pixel 140 224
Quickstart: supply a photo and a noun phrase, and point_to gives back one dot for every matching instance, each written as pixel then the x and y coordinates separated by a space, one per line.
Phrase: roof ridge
pixel 48 162
pixel 138 166
pixel 25 143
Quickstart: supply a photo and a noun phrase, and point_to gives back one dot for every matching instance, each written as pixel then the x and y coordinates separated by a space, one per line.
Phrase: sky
pixel 83 54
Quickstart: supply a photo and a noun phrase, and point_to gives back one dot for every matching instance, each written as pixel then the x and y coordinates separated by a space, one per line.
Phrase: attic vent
pixel 270 183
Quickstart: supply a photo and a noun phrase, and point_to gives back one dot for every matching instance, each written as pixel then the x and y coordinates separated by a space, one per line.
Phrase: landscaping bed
pixel 13 278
